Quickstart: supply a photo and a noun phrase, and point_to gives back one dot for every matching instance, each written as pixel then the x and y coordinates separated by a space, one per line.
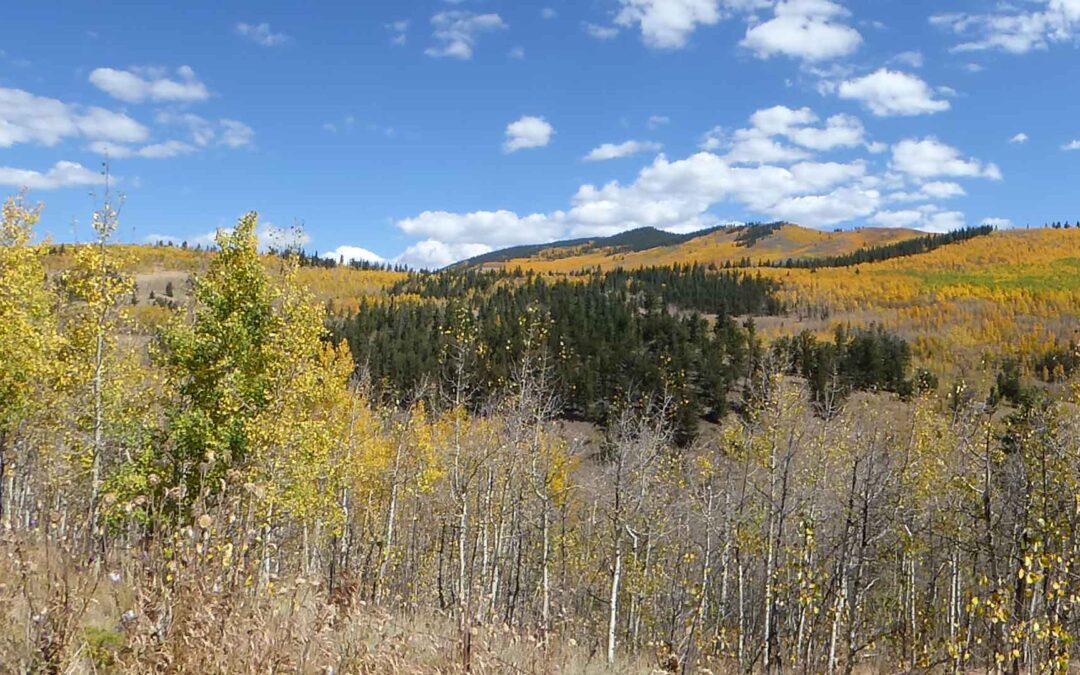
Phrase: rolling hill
pixel 646 247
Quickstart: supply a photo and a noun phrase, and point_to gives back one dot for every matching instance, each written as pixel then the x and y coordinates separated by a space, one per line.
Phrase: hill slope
pixel 719 246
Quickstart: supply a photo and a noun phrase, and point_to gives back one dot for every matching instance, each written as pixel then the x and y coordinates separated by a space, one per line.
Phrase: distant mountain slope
pixel 640 239
pixel 720 246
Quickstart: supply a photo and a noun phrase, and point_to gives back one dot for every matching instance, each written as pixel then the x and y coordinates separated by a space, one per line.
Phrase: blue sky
pixel 425 131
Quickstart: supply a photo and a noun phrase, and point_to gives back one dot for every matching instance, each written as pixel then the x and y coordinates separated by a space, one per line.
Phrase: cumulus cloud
pixel 350 254
pixel 928 218
pixel 527 132
pixel 758 144
pixel 929 158
pixel 62 174
pixel 839 131
pixel 751 146
pixel 1073 145
pixel 1019 138
pixel 26 118
pixel 149 84
pixel 810 30
pixel 668 24
pixel 891 92
pixel 433 254
pixel 457 32
pixel 1016 29
pixel 261 34
pixel 999 223
pixel 494 228
pixel 618 150
pixel 771 168
pixel 929 191
pixel 657 121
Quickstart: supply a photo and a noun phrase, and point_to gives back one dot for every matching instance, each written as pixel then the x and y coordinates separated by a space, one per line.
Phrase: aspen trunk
pixel 616 578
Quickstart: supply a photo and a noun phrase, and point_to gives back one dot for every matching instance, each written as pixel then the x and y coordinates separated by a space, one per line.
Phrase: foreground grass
pixel 132 611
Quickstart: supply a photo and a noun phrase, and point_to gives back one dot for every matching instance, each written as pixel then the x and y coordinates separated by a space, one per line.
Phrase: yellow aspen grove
pixel 28 339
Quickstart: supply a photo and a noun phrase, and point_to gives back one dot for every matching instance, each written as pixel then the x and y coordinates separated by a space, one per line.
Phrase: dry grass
pixel 62 611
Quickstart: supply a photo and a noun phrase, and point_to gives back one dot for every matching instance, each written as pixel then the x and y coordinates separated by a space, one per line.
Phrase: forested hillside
pixel 304 467
pixel 749 245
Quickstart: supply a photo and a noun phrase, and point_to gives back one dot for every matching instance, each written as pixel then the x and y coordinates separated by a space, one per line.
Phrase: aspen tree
pixel 98 286
pixel 28 336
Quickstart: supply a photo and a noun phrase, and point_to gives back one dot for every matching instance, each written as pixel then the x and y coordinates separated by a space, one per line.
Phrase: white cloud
pixel 942 190
pixel 912 59
pixel 837 206
pixel 456 32
pixel 494 228
pixel 668 24
pixel 897 219
pixel 840 131
pixel 149 84
pixel 432 254
pixel 1073 145
pixel 399 32
pixel 757 144
pixel 26 118
pixel 527 132
pixel 999 223
pixel 548 13
pixel 1019 138
pixel 769 168
pixel 236 134
pixel 261 34
pixel 810 30
pixel 714 139
pixel 161 150
pixel 675 194
pixel 617 150
pixel 751 146
pixel 62 174
pixel 929 158
pixel 1014 30
pixel 353 254
pixel 600 32
pixel 928 218
pixel 891 92
pixel 517 53
pixel 657 121
pixel 204 132
pixel 929 191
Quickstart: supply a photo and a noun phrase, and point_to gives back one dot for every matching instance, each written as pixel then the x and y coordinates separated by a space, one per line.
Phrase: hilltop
pixel 746 245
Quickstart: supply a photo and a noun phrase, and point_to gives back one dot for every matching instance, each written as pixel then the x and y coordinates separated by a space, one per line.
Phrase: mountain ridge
pixel 725 245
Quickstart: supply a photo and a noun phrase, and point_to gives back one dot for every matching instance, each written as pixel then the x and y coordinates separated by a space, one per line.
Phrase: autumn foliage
pixel 221 491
